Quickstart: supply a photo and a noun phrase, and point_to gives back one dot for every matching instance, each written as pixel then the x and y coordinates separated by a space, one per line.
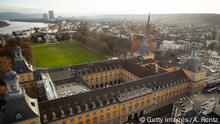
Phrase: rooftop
pixel 99 98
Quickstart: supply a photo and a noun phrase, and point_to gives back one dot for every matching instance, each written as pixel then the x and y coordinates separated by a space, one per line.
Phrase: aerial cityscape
pixel 109 62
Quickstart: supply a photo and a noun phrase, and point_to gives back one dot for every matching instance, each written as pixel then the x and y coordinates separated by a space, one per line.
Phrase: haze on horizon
pixel 98 7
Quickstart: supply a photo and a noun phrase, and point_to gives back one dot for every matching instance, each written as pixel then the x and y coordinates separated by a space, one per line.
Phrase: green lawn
pixel 62 54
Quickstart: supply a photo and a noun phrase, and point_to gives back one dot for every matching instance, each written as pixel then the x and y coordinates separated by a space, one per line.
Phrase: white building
pixel 51 15
pixel 212 53
pixel 47 83
pixel 212 78
pixel 209 42
pixel 215 61
pixel 174 45
pixel 45 17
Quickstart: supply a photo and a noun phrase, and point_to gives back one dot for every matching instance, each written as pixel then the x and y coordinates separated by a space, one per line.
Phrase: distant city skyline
pixel 97 7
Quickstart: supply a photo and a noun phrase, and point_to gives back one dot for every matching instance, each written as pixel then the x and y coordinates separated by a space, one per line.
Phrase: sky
pixel 99 7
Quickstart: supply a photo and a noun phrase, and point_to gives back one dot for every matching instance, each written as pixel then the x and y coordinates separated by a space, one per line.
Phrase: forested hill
pixel 170 18
pixel 17 15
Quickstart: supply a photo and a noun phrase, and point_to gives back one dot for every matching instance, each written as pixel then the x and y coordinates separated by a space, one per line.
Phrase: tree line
pixel 104 44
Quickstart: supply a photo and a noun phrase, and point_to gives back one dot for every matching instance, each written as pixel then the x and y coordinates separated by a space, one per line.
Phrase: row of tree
pixel 104 44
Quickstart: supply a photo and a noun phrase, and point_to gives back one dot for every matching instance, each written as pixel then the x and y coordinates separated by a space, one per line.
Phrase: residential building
pixel 215 61
pixel 51 15
pixel 45 17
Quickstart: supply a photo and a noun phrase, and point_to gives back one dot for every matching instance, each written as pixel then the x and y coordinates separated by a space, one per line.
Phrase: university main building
pixel 107 92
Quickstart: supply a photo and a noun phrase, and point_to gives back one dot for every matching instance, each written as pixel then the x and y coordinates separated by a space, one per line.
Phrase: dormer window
pixel 18 116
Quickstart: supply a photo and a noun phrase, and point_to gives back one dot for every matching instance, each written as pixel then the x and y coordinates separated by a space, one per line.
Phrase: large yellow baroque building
pixel 114 91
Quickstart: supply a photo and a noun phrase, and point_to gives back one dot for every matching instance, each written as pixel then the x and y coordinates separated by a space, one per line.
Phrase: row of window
pixel 25 77
pixel 145 101
pixel 133 105
pixel 103 73
pixel 101 117
pixel 96 80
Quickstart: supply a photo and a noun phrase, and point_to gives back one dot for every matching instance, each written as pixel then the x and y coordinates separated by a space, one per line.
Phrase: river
pixel 16 26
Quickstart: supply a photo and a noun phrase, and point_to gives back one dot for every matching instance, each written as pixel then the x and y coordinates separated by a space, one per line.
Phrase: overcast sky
pixel 97 7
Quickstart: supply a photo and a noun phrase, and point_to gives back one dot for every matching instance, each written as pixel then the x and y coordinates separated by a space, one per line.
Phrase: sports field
pixel 62 54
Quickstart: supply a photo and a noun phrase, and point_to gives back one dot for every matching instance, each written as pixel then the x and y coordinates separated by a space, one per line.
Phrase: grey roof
pixel 193 63
pixel 37 74
pixel 19 105
pixel 21 66
pixel 155 82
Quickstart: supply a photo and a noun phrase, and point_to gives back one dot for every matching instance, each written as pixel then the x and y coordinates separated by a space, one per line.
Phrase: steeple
pixel 147 28
pixel 151 44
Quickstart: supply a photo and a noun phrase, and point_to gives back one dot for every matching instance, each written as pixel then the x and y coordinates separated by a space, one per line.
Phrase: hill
pixel 169 18
pixel 17 15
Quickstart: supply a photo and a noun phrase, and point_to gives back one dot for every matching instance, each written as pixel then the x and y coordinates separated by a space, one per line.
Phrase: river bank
pixel 3 24
pixel 19 26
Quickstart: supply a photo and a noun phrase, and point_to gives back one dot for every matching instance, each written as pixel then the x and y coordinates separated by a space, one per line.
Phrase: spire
pixel 147 26
pixel 148 21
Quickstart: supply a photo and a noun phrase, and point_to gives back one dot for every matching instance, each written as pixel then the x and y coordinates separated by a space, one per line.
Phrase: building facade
pixel 51 15
pixel 45 17
pixel 215 61
pixel 114 91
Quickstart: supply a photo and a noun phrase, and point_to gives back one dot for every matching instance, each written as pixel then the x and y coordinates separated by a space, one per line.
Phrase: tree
pixel 14 33
pixel 11 43
pixel 34 39
pixel 134 45
pixel 83 28
pixel 5 64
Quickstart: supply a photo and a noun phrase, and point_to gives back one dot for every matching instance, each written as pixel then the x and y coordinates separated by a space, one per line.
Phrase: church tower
pixel 19 108
pixel 145 47
pixel 194 70
pixel 151 44
pixel 144 50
